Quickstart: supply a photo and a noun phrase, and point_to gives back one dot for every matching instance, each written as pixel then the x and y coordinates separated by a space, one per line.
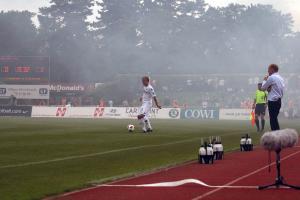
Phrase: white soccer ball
pixel 130 128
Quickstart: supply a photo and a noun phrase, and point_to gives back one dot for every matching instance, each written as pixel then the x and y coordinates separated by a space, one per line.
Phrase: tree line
pixel 151 36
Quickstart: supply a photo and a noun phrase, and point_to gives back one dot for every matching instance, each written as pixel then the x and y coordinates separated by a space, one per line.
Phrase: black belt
pixel 276 100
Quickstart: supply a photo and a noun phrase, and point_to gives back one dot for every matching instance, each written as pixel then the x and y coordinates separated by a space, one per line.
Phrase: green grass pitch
pixel 42 157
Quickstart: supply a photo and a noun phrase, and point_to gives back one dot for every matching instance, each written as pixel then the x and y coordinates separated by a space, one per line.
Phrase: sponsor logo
pixel 25 91
pixel 99 111
pixel 154 111
pixel 173 113
pixel 43 91
pixel 200 114
pixel 2 91
pixel 67 88
pixel 61 111
pixel 24 111
pixel 113 112
pixel 134 111
pixel 235 114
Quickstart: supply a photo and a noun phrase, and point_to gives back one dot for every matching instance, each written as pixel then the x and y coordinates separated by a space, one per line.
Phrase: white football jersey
pixel 148 94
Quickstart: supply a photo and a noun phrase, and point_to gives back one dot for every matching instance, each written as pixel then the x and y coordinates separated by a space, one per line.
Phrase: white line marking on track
pixel 241 178
pixel 228 185
pixel 180 183
pixel 132 176
pixel 102 153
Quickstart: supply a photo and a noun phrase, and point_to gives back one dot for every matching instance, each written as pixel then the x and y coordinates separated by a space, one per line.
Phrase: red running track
pixel 237 169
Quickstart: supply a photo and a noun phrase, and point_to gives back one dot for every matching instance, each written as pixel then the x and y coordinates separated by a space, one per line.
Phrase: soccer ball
pixel 130 128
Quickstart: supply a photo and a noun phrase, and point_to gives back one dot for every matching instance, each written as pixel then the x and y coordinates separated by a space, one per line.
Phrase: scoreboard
pixel 26 70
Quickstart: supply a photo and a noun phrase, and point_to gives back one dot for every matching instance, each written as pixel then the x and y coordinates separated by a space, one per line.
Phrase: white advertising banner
pixel 102 112
pixel 164 113
pixel 41 111
pixel 110 112
pixel 81 112
pixel 25 91
pixel 235 114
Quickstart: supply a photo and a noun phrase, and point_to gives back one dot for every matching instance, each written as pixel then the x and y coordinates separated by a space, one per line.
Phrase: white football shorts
pixel 145 109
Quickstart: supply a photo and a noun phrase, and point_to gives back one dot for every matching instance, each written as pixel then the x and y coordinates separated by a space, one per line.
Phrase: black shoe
pixel 149 130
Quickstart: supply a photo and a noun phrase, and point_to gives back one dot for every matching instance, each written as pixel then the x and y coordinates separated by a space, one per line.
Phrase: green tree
pixel 18 35
pixel 68 41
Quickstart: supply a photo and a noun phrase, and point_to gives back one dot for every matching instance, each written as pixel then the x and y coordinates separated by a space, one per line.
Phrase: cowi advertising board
pixel 25 91
pixel 235 114
pixel 200 113
pixel 102 112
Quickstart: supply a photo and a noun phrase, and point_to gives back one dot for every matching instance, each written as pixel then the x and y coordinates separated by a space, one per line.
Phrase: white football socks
pixel 148 124
pixel 143 124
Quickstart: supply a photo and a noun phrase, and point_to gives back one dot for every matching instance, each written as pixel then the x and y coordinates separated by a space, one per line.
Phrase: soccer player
pixel 260 104
pixel 146 99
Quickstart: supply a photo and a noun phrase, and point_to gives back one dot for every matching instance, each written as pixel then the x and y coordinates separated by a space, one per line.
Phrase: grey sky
pixel 286 6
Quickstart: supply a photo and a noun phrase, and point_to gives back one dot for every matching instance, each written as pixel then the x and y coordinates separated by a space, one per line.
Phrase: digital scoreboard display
pixel 24 70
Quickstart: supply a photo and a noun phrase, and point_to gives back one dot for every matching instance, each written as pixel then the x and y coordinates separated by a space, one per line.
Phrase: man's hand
pixel 156 103
pixel 266 77
pixel 253 106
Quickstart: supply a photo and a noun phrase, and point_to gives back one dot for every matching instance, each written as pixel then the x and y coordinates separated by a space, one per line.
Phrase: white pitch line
pixel 100 153
pixel 86 155
pixel 241 178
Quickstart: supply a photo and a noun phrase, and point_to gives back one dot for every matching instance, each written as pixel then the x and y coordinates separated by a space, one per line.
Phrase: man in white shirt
pixel 146 99
pixel 274 83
